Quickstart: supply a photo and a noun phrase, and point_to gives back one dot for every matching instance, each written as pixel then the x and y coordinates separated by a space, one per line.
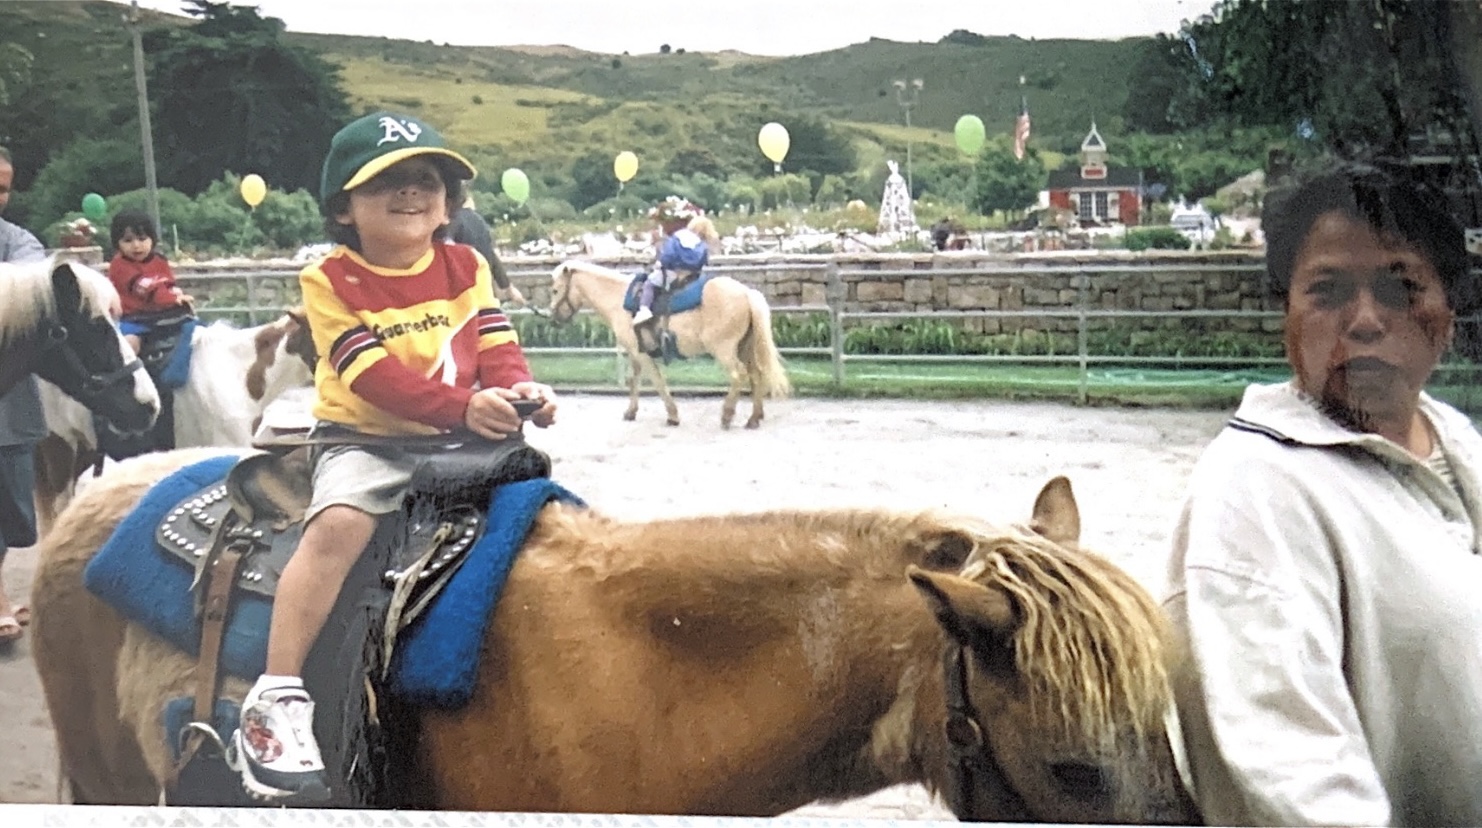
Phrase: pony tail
pixel 703 227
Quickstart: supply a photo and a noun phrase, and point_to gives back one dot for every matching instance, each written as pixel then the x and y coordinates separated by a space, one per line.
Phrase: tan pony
pixel 740 664
pixel 733 324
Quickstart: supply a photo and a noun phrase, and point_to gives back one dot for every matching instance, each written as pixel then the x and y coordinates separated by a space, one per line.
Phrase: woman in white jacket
pixel 1326 569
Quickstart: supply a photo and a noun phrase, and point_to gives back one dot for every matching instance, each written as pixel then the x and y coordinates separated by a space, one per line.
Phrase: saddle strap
pixel 222 575
pixel 401 592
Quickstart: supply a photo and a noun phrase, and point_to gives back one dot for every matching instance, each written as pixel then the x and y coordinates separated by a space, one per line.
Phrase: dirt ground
pixel 1128 468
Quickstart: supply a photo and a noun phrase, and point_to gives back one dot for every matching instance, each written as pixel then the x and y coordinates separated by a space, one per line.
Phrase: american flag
pixel 1021 131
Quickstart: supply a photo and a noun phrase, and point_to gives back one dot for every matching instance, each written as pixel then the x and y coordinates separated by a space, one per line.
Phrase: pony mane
pixel 1093 646
pixel 27 298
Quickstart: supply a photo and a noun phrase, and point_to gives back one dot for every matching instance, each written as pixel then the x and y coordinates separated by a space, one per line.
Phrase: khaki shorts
pixel 373 479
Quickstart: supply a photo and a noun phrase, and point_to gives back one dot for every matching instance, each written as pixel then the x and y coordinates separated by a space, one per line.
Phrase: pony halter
pixel 95 384
pixel 973 766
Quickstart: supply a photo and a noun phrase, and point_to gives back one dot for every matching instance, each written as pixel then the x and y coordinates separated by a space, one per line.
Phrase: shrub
pixel 85 165
pixel 1156 238
pixel 289 220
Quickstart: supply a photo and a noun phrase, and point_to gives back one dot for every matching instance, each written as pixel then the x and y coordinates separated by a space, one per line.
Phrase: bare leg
pixel 6 607
pixel 311 583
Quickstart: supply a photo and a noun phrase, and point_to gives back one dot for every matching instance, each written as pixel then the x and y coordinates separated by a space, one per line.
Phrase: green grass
pixel 1131 386
pixel 813 376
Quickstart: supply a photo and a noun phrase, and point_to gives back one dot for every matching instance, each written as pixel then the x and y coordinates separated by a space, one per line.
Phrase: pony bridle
pixel 564 301
pixel 57 340
pixel 972 765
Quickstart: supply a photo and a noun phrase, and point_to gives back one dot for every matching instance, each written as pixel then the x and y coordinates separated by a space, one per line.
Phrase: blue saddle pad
pixel 176 372
pixel 686 298
pixel 437 660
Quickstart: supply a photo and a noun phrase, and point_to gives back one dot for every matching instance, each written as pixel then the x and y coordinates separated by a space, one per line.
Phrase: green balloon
pixel 516 184
pixel 94 207
pixel 970 134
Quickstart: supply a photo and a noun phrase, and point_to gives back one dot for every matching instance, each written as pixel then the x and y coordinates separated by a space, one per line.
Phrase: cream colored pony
pixel 737 665
pixel 733 324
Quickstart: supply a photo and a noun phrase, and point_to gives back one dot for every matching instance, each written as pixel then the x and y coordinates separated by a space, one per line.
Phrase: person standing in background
pixel 468 227
pixel 1326 561
pixel 22 426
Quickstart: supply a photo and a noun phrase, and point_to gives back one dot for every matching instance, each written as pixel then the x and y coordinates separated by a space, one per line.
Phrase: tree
pixel 592 180
pixel 833 192
pixel 15 69
pixel 1358 78
pixel 692 160
pixel 231 94
pixel 1157 80
pixel 1003 181
pixel 814 146
pixel 85 165
pixel 965 38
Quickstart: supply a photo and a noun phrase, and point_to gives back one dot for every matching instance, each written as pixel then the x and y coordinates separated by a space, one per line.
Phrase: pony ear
pixel 946 551
pixel 298 314
pixel 1056 516
pixel 66 288
pixel 974 614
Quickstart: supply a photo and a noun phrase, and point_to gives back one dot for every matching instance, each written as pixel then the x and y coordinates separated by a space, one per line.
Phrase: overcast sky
pixel 763 27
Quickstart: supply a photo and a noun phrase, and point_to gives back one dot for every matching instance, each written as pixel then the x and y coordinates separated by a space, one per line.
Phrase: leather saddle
pixel 239 534
pixel 158 343
pixel 654 337
pixel 260 506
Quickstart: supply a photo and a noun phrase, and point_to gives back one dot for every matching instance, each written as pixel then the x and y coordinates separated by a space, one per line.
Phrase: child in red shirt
pixel 146 285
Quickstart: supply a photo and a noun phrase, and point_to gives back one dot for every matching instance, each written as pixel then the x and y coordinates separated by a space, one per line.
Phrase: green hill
pixel 543 107
pixel 1067 81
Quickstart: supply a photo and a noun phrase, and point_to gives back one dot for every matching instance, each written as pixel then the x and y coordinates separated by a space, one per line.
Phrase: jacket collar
pixel 1283 412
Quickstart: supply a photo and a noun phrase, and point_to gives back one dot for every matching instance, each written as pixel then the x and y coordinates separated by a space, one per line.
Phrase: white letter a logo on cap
pixel 398 130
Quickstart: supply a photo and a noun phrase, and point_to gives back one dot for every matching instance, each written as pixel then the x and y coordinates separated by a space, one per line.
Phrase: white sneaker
pixel 275 747
pixel 643 315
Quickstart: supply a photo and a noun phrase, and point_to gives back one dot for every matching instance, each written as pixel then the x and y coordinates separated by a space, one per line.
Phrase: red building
pixel 1096 193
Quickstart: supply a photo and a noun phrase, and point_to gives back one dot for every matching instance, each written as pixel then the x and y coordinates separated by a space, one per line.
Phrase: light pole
pixel 907 94
pixel 146 133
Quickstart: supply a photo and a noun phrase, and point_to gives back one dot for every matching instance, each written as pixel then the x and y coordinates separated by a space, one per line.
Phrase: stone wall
pixel 1156 281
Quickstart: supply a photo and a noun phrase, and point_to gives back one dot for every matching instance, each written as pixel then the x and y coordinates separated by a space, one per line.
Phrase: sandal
pixel 10 629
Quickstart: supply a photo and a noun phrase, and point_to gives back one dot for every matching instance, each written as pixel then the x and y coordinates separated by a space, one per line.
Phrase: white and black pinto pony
pixel 234 374
pixel 58 320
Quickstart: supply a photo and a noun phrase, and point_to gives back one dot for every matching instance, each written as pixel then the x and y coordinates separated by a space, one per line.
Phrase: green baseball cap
pixel 368 145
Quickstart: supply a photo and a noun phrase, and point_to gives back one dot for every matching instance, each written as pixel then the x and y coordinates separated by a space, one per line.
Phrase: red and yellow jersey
pixel 402 351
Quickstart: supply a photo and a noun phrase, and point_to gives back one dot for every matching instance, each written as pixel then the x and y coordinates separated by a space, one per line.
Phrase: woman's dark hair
pixel 340 203
pixel 137 221
pixel 1391 202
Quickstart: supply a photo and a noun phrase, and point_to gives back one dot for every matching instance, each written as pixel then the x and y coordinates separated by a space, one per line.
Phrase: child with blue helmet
pixel 683 254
